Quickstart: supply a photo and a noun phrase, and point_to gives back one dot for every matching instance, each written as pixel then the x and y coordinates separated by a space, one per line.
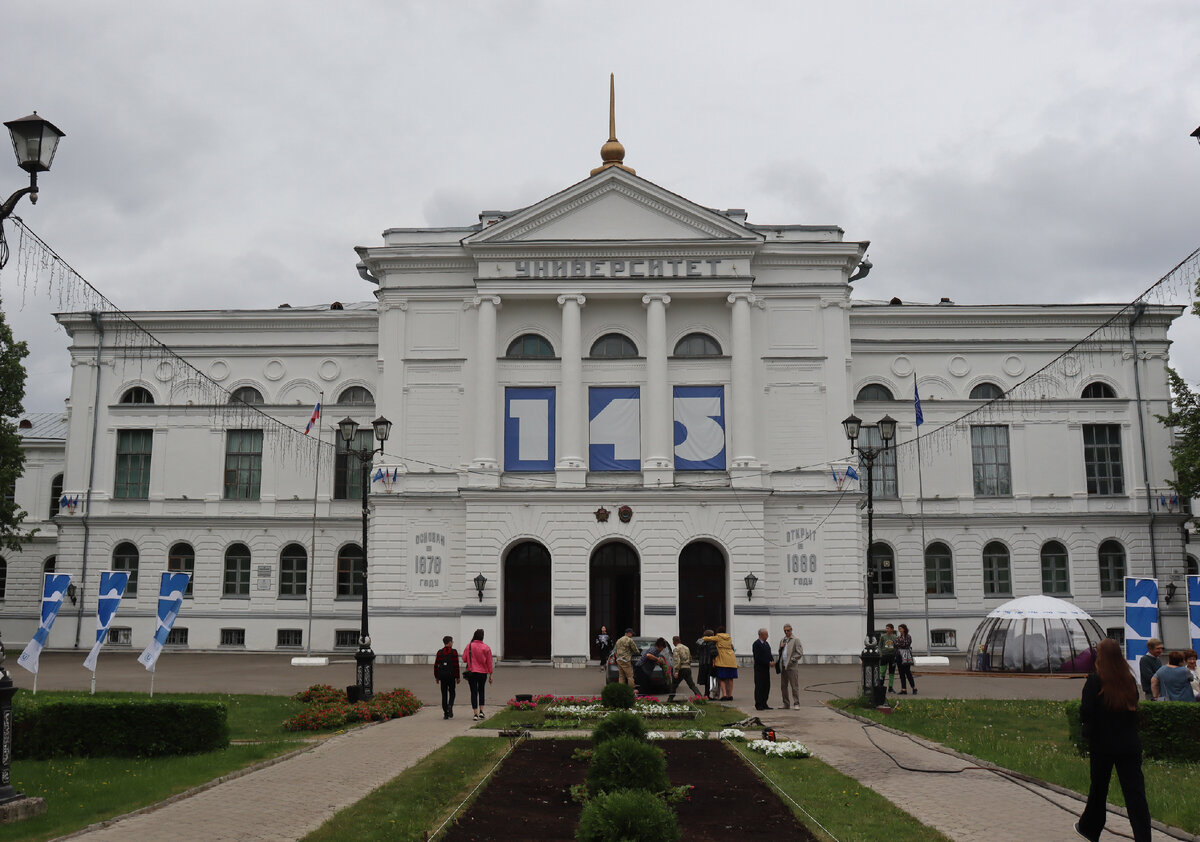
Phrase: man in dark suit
pixel 763 662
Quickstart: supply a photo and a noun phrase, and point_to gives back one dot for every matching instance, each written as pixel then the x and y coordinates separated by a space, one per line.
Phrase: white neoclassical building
pixel 614 405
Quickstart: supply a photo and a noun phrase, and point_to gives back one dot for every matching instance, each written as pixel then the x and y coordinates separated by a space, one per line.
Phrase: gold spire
pixel 612 153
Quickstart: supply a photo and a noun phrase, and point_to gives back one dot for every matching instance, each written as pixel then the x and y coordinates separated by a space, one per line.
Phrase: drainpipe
pixel 1139 310
pixel 87 503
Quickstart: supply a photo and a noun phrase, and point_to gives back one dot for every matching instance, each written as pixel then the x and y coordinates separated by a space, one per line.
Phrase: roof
pixel 43 425
pixel 1039 606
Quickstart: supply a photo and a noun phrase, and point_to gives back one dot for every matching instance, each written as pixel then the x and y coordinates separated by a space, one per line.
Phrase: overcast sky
pixel 232 154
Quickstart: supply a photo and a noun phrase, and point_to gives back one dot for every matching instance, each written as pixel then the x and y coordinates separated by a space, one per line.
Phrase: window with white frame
pixel 345 638
pixel 133 464
pixel 125 557
pixel 1102 459
pixel 1055 575
pixel 943 637
pixel 177 636
pixel 56 493
pixel 182 559
pixel 882 570
pixel 348 468
pixel 120 635
pixel 233 637
pixel 236 581
pixel 997 570
pixel 1112 568
pixel 351 569
pixel 289 638
pixel 293 571
pixel 990 461
pixel 939 570
pixel 885 482
pixel 243 464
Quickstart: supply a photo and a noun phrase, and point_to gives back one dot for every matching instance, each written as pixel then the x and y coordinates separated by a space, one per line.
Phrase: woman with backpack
pixel 445 673
pixel 477 656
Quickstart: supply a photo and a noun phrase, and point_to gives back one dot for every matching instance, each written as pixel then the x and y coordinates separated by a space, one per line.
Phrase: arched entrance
pixel 527 603
pixel 616 591
pixel 701 589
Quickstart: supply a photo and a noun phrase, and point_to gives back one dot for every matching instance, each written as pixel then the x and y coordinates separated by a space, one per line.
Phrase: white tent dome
pixel 1035 634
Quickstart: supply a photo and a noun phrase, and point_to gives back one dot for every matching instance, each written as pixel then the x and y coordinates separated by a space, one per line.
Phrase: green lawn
pixel 82 791
pixel 1031 737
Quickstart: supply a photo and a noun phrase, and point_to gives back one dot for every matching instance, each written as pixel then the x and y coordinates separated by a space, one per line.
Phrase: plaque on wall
pixel 803 559
pixel 427 569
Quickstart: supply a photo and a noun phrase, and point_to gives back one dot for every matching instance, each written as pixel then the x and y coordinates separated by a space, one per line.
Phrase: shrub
pixel 1160 725
pixel 626 763
pixel 617 696
pixel 327 708
pixel 619 724
pixel 93 727
pixel 628 815
pixel 321 694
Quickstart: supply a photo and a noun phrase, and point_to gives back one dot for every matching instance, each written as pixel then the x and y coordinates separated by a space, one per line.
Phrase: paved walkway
pixel 289 799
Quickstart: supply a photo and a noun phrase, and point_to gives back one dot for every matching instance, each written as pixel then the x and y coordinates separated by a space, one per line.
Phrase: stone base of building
pixel 20 809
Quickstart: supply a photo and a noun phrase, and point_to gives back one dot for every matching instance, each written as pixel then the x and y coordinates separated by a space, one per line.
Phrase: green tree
pixel 1185 452
pixel 12 457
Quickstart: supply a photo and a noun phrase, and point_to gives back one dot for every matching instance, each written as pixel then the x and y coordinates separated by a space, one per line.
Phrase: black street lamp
pixel 364 657
pixel 34 141
pixel 872 680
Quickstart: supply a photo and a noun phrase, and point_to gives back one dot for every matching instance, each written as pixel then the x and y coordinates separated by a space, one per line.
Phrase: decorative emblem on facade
pixel 602 515
pixel 625 514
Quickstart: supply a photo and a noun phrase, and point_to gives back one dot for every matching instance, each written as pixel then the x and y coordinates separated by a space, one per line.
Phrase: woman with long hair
pixel 1108 714
pixel 725 662
pixel 477 656
pixel 904 660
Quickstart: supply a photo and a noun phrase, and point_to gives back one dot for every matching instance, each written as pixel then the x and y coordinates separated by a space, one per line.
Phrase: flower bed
pixel 328 708
pixel 642 708
pixel 786 748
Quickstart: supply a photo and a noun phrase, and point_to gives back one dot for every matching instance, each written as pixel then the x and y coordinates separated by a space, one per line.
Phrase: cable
pixel 512 745
pixel 782 791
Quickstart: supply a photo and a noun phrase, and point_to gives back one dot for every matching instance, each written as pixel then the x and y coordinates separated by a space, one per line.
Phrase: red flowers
pixel 328 708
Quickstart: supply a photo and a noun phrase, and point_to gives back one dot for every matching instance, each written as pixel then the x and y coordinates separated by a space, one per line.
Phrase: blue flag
pixel 850 472
pixel 54 588
pixel 112 589
pixel 917 405
pixel 170 600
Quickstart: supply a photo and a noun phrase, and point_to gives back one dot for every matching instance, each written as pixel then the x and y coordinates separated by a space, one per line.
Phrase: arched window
pixel 939 570
pixel 874 392
pixel 697 345
pixel 356 395
pixel 612 346
pixel 293 571
pixel 125 557
pixel 182 559
pixel 882 570
pixel 1193 567
pixel 1097 390
pixel 1112 568
pixel 3 577
pixel 49 564
pixel 236 581
pixel 986 392
pixel 138 394
pixel 997 572
pixel 246 394
pixel 529 345
pixel 351 570
pixel 1055 576
pixel 56 488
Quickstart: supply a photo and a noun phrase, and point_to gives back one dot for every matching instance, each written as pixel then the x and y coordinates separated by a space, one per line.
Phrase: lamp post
pixel 34 141
pixel 364 658
pixel 872 681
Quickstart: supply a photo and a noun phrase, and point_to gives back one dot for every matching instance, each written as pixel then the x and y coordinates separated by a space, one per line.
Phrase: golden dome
pixel 612 153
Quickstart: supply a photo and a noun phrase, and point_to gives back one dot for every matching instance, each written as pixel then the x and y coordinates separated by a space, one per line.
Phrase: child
pixel 445 673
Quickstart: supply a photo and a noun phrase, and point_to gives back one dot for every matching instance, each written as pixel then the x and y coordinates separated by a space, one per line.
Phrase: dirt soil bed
pixel 529 796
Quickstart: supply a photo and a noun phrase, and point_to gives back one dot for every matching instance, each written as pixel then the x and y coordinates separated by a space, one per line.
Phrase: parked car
pixel 657 682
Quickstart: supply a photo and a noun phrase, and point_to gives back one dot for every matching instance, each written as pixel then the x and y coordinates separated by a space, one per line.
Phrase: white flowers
pixel 787 748
pixel 649 709
pixel 655 735
pixel 693 734
pixel 731 734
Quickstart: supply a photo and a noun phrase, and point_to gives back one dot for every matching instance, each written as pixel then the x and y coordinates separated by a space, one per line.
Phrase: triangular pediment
pixel 613 206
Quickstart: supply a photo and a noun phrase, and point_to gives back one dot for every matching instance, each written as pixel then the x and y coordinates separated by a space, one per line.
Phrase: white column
pixel 657 463
pixel 743 398
pixel 571 468
pixel 485 387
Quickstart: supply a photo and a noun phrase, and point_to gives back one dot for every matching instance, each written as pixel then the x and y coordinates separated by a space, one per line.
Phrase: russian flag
pixel 316 414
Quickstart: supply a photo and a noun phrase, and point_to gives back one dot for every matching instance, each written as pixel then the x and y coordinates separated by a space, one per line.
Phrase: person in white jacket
pixel 788 667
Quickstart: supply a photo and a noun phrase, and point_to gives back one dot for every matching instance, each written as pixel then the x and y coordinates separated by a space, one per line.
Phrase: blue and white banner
pixel 1141 619
pixel 54 588
pixel 699 428
pixel 614 428
pixel 112 589
pixel 528 429
pixel 170 600
pixel 1193 595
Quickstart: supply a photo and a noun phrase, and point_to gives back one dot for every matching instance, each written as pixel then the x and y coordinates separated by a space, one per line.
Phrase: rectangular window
pixel 177 637
pixel 237 575
pixel 348 469
pixel 289 638
pixel 183 560
pixel 884 478
pixel 233 637
pixel 990 461
pixel 1117 633
pixel 1102 459
pixel 243 464
pixel 293 576
pixel 350 572
pixel 939 574
pixel 1055 578
pixel 133 464
pixel 345 638
pixel 943 637
pixel 120 635
pixel 997 579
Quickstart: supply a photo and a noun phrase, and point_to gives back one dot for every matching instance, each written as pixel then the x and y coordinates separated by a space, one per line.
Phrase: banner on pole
pixel 112 589
pixel 170 600
pixel 1141 619
pixel 54 588
pixel 1193 594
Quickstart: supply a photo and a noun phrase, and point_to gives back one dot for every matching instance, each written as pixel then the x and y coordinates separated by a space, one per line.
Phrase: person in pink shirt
pixel 477 656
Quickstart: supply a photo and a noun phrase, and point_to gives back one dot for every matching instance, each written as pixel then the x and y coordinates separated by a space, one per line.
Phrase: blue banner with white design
pixel 699 428
pixel 112 590
pixel 1141 618
pixel 170 600
pixel 54 588
pixel 1193 592
pixel 528 429
pixel 614 428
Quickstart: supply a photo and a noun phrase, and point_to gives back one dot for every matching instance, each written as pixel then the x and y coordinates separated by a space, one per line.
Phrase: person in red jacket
pixel 445 673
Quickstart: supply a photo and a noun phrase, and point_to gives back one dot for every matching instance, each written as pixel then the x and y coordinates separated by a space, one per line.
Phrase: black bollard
pixel 7 691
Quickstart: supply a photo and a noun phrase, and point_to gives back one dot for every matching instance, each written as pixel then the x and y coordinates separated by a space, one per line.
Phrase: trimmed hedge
pixel 627 763
pixel 118 728
pixel 619 724
pixel 1166 729
pixel 629 815
pixel 620 696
